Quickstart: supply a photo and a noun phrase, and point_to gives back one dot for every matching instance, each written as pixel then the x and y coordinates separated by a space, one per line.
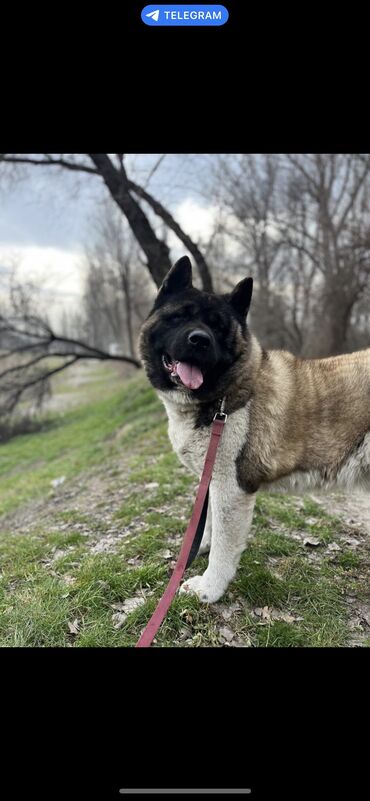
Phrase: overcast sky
pixel 46 219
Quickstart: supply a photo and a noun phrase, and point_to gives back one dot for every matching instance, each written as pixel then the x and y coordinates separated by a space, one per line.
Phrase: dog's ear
pixel 241 296
pixel 176 280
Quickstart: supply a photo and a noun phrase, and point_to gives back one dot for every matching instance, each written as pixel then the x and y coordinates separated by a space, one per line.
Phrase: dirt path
pixel 82 382
pixel 353 509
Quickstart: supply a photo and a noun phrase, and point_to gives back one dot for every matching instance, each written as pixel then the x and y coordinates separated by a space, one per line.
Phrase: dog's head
pixel 192 339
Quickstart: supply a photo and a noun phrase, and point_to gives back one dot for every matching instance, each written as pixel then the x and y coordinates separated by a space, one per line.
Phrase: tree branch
pixel 15 398
pixel 176 228
pixel 47 162
pixel 156 251
pixel 352 198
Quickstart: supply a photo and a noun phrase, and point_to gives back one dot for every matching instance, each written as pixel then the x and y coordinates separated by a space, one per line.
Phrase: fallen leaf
pixel 124 608
pixel 311 541
pixel 228 611
pixel 226 634
pixel 264 614
pixel 74 627
pixel 186 615
pixel 333 546
pixel 118 619
pixel 285 617
pixel 185 633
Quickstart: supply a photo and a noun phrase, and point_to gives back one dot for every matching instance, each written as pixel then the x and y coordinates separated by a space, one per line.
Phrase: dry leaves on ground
pixel 74 626
pixel 124 609
pixel 269 615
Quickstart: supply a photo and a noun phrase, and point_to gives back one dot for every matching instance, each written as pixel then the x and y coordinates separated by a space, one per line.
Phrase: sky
pixel 47 219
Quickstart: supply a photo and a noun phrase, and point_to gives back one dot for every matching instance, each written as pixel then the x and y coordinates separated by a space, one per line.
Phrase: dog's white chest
pixel 190 444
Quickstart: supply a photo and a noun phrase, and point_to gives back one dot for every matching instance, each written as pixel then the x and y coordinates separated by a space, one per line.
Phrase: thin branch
pixel 92 352
pixel 175 227
pixel 70 165
pixel 301 248
pixel 359 183
pixel 21 349
pixel 25 365
pixel 18 394
pixel 154 169
pixel 343 188
pixel 310 180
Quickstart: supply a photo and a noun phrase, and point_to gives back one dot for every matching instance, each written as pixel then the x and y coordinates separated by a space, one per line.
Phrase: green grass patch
pixel 49 578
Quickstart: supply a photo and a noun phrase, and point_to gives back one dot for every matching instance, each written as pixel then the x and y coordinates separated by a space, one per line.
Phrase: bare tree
pixel 251 200
pixel 303 225
pixel 117 294
pixel 333 234
pixel 31 351
pixel 23 334
pixel 124 193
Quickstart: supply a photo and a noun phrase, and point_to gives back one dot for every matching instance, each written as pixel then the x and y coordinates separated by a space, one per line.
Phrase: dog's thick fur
pixel 292 424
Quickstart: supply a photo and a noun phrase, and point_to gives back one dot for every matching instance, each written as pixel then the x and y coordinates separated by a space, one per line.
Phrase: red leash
pixel 179 569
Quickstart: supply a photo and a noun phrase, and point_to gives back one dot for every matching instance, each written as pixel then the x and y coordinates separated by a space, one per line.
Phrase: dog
pixel 293 424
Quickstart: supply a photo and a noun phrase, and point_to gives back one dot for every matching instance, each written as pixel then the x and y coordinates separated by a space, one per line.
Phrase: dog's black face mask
pixel 191 338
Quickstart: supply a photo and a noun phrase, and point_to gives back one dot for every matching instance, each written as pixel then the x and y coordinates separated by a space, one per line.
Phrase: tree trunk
pixel 184 238
pixel 331 326
pixel 156 251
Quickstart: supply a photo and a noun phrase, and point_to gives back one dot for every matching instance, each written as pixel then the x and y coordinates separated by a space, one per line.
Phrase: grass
pixel 57 588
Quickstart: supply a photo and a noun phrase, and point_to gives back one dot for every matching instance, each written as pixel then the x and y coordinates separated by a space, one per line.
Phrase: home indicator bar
pixel 182 791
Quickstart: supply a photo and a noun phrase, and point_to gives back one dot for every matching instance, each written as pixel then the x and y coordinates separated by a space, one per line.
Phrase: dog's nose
pixel 199 338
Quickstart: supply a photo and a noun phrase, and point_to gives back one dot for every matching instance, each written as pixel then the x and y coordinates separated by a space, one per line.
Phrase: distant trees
pixel 32 351
pixel 117 294
pixel 302 223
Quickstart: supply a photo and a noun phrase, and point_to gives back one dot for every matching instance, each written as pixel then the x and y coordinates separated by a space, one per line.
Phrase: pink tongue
pixel 190 376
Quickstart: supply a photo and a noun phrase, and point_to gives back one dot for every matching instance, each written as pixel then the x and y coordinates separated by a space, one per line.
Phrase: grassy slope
pixel 70 557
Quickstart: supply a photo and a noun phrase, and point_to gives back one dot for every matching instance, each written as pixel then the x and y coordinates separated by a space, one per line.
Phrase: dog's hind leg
pixel 232 512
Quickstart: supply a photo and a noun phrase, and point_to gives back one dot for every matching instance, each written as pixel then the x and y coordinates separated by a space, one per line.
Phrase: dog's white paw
pixel 205 590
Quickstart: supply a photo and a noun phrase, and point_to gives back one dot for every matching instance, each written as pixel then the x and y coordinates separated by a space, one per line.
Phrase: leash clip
pixel 221 415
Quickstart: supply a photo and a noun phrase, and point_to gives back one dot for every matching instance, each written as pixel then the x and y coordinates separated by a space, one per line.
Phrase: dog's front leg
pixel 205 544
pixel 232 511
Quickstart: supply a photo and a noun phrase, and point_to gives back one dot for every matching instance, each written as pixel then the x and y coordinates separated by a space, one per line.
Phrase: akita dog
pixel 293 424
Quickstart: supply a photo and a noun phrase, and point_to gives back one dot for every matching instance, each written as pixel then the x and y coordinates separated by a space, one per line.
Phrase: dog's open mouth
pixel 189 375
